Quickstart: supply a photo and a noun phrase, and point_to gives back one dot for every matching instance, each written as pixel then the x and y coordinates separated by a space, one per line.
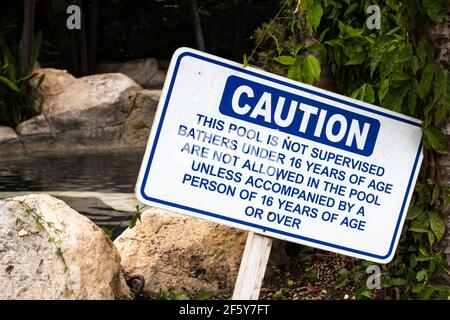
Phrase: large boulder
pixel 91 102
pixel 55 81
pixel 136 129
pixel 179 253
pixel 49 251
pixel 103 111
pixel 99 111
pixel 145 72
pixel 10 144
pixel 7 134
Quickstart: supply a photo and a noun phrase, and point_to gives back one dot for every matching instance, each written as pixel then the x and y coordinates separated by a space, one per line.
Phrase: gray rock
pixel 7 134
pixel 157 81
pixel 34 126
pixel 103 111
pixel 88 266
pixel 91 102
pixel 55 81
pixel 136 129
pixel 141 70
pixel 179 253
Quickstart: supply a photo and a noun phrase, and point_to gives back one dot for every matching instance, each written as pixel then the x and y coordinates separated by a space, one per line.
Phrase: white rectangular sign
pixel 257 151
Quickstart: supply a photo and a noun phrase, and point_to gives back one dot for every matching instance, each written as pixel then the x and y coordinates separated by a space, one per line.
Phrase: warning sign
pixel 253 150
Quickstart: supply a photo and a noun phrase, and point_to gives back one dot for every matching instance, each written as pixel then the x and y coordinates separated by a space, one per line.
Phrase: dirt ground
pixel 311 275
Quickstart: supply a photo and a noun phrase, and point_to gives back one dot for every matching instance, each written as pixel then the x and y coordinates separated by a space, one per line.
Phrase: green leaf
pixel 412 261
pixel 423 251
pixel 446 198
pixel 426 294
pixel 387 63
pixel 343 278
pixel 425 52
pixel 440 114
pixel 36 49
pixel 245 61
pixel 413 213
pixel 436 138
pixel 384 88
pixel 364 93
pixel 356 59
pixel 285 60
pixel 412 101
pixel 398 282
pixel 135 218
pixel 323 33
pixel 352 8
pixel 415 65
pixel 440 83
pixel 436 192
pixel 180 296
pixel 9 83
pixel 369 94
pixel 162 295
pixel 434 9
pixel 430 240
pixel 313 16
pixel 418 230
pixel 363 292
pixel 301 5
pixel 422 275
pixel 311 69
pixel 418 288
pixel 405 54
pixel 295 72
pixel 107 232
pixel 425 81
pixel 437 225
pixel 395 97
pixel 205 295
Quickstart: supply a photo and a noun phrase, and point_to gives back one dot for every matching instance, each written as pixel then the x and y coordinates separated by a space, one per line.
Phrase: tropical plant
pixel 18 100
pixel 393 67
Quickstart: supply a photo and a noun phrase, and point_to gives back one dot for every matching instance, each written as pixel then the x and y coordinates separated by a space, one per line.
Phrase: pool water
pixel 101 172
pixel 98 185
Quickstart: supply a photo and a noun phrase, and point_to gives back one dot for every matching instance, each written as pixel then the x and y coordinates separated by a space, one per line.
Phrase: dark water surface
pixel 101 172
pixel 104 172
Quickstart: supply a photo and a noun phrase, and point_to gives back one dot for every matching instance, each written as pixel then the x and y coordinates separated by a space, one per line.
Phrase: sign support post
pixel 253 266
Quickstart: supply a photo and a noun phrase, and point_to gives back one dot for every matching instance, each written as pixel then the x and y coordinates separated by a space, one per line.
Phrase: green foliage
pixel 167 295
pixel 392 68
pixel 133 216
pixel 136 216
pixel 18 100
pixel 344 278
pixel 204 295
pixel 285 292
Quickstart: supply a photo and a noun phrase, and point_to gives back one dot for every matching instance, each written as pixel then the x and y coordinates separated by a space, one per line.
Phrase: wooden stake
pixel 253 266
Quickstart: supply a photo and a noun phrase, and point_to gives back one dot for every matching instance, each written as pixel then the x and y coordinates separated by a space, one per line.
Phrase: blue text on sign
pixel 290 113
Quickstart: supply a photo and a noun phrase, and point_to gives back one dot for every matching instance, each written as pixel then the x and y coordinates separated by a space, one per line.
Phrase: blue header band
pixel 293 114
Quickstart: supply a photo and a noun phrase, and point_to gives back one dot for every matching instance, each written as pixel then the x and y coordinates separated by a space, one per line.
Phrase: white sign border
pixel 159 119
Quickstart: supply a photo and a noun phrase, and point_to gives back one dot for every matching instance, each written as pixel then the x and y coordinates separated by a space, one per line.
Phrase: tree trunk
pixel 84 67
pixel 26 42
pixel 439 36
pixel 239 9
pixel 198 33
pixel 93 33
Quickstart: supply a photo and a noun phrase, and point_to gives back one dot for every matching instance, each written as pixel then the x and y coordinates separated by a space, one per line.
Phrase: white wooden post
pixel 253 266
